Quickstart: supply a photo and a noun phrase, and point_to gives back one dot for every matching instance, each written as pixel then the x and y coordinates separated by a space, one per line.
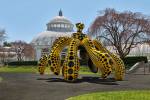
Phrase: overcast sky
pixel 24 19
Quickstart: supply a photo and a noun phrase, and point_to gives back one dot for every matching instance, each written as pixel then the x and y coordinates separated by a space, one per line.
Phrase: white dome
pixel 60 24
pixel 47 37
pixel 60 19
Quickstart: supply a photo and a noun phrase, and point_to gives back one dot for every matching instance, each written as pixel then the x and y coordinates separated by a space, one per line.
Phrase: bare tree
pixel 2 35
pixel 19 49
pixel 23 50
pixel 123 30
pixel 29 52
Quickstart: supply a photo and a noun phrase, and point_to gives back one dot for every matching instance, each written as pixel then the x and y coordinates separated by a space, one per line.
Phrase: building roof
pixel 47 37
pixel 60 19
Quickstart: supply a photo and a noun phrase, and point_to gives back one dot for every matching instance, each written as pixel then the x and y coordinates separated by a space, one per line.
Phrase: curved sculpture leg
pixel 119 69
pixel 99 59
pixel 118 63
pixel 71 64
pixel 92 67
pixel 42 64
pixel 54 58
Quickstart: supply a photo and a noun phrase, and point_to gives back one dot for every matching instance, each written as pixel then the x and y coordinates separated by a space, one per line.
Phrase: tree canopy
pixel 123 30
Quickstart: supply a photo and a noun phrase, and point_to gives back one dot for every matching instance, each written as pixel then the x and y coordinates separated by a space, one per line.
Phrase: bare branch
pixel 123 30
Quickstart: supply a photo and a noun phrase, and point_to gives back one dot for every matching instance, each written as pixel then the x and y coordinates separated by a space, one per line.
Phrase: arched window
pixel 55 26
pixel 62 25
pixel 58 25
pixel 51 25
pixel 69 26
pixel 65 25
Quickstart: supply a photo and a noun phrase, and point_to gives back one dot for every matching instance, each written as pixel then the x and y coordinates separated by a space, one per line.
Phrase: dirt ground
pixel 27 86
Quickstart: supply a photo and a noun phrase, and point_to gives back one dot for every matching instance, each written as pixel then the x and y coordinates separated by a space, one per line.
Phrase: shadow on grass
pixel 96 80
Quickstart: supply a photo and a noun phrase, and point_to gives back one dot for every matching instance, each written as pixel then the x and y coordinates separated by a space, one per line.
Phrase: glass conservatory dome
pixel 48 37
pixel 58 26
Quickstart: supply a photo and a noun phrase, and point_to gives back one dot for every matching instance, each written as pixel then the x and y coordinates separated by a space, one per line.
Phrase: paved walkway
pixel 25 86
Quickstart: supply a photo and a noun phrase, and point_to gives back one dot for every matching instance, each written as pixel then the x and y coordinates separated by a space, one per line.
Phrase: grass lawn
pixel 116 95
pixel 34 69
pixel 17 69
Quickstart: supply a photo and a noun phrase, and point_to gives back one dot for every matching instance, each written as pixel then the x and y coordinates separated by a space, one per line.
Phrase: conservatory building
pixel 57 27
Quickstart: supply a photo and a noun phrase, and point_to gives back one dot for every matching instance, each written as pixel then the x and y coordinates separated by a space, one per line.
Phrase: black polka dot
pixel 70 71
pixel 109 72
pixel 106 55
pixel 70 78
pixel 56 73
pixel 71 53
pixel 71 57
pixel 110 62
pixel 71 64
pixel 49 62
pixel 52 69
pixel 105 59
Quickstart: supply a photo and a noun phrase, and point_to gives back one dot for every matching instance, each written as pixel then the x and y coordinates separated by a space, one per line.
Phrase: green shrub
pixel 20 63
pixel 131 60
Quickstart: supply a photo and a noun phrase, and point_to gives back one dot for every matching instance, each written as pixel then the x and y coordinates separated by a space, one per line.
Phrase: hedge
pixel 35 63
pixel 131 60
pixel 128 61
pixel 19 63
